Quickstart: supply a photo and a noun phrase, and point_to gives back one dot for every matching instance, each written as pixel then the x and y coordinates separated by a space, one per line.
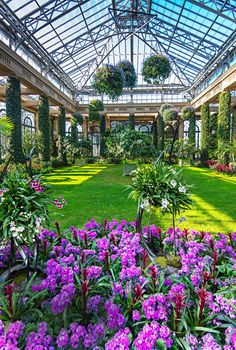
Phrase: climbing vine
pixel 44 127
pixel 131 121
pixel 13 111
pixel 223 131
pixel 205 132
pixel 61 134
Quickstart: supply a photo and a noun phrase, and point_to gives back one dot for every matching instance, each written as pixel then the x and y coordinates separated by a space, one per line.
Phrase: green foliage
pixel 25 303
pixel 6 126
pixel 223 130
pixel 13 111
pixel 32 140
pixel 61 134
pixel 85 147
pixel 20 207
pixel 79 118
pixel 44 127
pixel 95 107
pixel 156 68
pixel 188 113
pixel 74 131
pixel 213 120
pixel 109 80
pixel 185 149
pixel 131 121
pixel 192 129
pixel 130 145
pixel 162 187
pixel 154 134
pixel 170 115
pixel 130 74
pixel 71 151
pixel 160 133
pixel 205 132
pixel 103 135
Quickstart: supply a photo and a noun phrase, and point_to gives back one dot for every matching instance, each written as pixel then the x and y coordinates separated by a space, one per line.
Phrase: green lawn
pixel 98 191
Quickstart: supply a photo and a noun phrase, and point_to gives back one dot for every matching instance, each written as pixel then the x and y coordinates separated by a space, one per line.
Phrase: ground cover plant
pixel 98 290
pixel 100 189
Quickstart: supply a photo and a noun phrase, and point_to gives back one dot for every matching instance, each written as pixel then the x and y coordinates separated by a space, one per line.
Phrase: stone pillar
pixel 85 127
pixel 181 131
pixel 108 122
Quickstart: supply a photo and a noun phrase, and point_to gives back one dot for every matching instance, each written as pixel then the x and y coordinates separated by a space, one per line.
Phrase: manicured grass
pixel 98 191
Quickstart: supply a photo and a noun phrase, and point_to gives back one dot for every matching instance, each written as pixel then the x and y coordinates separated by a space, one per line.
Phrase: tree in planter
pixel 213 119
pixel 131 121
pixel 13 111
pixel 77 119
pixel 205 132
pixel 61 134
pixel 156 68
pixel 109 80
pixel 223 130
pixel 130 74
pixel 44 127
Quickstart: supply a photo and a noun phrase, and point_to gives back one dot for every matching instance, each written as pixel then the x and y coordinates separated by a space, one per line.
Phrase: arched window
pixel 27 121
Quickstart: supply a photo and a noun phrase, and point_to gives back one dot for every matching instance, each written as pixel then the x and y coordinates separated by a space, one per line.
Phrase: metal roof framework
pixel 74 37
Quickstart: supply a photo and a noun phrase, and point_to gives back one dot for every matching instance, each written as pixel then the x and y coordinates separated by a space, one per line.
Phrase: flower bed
pixel 221 168
pixel 98 289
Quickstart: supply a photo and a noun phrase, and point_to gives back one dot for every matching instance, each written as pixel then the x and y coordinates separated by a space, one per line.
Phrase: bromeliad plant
pixel 100 291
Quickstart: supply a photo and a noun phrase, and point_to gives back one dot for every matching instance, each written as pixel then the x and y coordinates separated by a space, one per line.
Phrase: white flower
pixel 182 189
pixel 173 183
pixel 145 205
pixel 164 203
pixel 173 171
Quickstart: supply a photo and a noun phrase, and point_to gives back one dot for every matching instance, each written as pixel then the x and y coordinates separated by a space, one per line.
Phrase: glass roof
pixel 81 35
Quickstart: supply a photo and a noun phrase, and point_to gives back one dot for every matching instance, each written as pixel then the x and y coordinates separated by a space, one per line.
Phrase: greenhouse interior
pixel 117 174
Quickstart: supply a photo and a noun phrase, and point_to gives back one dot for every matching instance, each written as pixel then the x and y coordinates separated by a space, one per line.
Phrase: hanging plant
pixel 130 74
pixel 187 112
pixel 169 113
pixel 109 80
pixel 156 68
pixel 79 118
pixel 95 106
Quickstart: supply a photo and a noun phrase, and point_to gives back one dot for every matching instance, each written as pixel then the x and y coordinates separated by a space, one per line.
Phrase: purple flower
pixel 120 341
pixel 136 315
pixel 62 339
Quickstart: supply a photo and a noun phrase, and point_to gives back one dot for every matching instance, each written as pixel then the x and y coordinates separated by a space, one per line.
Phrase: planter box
pixel 127 168
pixel 80 162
